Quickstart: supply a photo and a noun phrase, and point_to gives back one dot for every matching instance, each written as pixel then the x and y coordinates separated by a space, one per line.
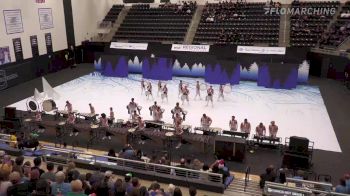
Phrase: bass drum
pixel 49 105
pixel 33 105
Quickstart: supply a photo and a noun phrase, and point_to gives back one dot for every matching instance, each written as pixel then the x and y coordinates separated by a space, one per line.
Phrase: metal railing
pixel 246 179
pixel 63 156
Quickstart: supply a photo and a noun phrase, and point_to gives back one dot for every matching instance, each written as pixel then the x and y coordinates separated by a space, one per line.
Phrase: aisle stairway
pixel 237 188
pixel 194 24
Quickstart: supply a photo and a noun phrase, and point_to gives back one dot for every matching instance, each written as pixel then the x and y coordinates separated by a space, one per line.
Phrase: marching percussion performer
pixel 69 107
pixel 133 107
pixel 149 90
pixel 206 121
pixel 177 110
pixel 233 124
pixel 260 131
pixel 92 109
pixel 245 126
pixel 152 108
pixel 134 117
pixel 143 87
pixel 158 114
pixel 180 87
pixel 104 125
pixel 159 87
pixel 221 92
pixel 164 93
pixel 184 97
pixel 178 128
pixel 38 116
pixel 111 116
pixel 210 94
pixel 273 128
pixel 71 119
pixel 198 91
pixel 140 126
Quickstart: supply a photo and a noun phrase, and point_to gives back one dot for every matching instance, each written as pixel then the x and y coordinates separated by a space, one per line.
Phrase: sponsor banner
pixel 261 50
pixel 190 48
pixel 129 46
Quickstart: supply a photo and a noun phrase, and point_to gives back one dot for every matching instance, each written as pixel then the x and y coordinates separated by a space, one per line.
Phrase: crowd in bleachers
pixel 168 22
pixel 238 22
pixel 339 30
pixel 306 30
pixel 26 178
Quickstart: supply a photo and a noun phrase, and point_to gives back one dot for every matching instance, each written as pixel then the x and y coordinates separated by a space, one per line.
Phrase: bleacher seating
pixel 238 23
pixel 339 30
pixel 306 30
pixel 113 13
pixel 168 22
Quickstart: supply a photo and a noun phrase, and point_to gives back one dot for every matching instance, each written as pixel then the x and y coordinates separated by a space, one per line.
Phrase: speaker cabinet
pixel 298 145
pixel 10 112
pixel 230 148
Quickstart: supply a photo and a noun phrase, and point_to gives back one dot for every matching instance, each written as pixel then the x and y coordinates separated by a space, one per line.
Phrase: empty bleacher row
pixel 113 13
pixel 168 22
pixel 237 23
pixel 307 29
pixel 339 30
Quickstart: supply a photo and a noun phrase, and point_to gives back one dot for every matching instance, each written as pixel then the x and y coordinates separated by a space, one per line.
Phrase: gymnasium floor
pixel 330 158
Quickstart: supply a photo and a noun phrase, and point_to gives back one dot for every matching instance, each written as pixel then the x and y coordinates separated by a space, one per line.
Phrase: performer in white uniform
pixel 206 122
pixel 134 117
pixel 111 116
pixel 177 110
pixel 178 128
pixel 198 91
pixel 158 114
pixel 143 87
pixel 233 124
pixel 210 94
pixel 133 107
pixel 221 92
pixel 180 88
pixel 164 93
pixel 149 91
pixel 68 107
pixel 184 97
pixel 245 126
pixel 92 109
pixel 159 87
pixel 273 128
pixel 104 125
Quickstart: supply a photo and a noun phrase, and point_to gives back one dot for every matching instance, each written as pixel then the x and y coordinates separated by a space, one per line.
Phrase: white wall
pixel 31 26
pixel 86 16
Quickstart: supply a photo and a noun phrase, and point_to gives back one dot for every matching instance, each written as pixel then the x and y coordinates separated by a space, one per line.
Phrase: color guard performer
pixel 221 92
pixel 273 128
pixel 198 91
pixel 159 87
pixel 149 90
pixel 143 86
pixel 233 124
pixel 180 88
pixel 177 110
pixel 164 93
pixel 206 122
pixel 133 107
pixel 184 97
pixel 210 94
pixel 68 107
pixel 245 126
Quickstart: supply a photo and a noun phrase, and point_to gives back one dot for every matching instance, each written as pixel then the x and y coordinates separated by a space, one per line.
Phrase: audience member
pixel 37 164
pixel 42 188
pixel 19 187
pixel 77 188
pixel 341 187
pixel 135 185
pixel 26 170
pixel 4 181
pixel 59 168
pixel 177 192
pixel 171 189
pixel 268 176
pixel 18 165
pixel 192 191
pixel 119 188
pixel 59 186
pixel 49 175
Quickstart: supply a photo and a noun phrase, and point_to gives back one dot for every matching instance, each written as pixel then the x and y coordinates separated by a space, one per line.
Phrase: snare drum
pixel 94 126
pixel 169 134
pixel 49 105
pixel 28 120
pixel 62 123
pixel 131 130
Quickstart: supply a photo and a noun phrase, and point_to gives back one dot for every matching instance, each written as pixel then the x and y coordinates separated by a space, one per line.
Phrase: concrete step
pixel 237 188
pixel 284 32
pixel 117 23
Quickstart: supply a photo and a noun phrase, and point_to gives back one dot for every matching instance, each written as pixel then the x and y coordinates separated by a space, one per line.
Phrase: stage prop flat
pixel 299 112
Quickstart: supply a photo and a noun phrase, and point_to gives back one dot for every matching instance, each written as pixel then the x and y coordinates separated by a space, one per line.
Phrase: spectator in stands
pixel 347 181
pixel 127 180
pixel 34 177
pixel 154 189
pixel 37 164
pixel 135 185
pixel 182 163
pixel 197 164
pixel 341 187
pixel 59 186
pixel 72 173
pixel 299 176
pixel 143 191
pixel 86 185
pixel 77 188
pixel 19 187
pixel 50 174
pixel 192 191
pixel 171 189
pixel 18 165
pixel 269 176
pixel 4 181
pixel 282 176
pixel 97 176
pixel 42 188
pixel 119 188
pixel 59 168
pixel 177 192
pixel 101 187
pixel 26 170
